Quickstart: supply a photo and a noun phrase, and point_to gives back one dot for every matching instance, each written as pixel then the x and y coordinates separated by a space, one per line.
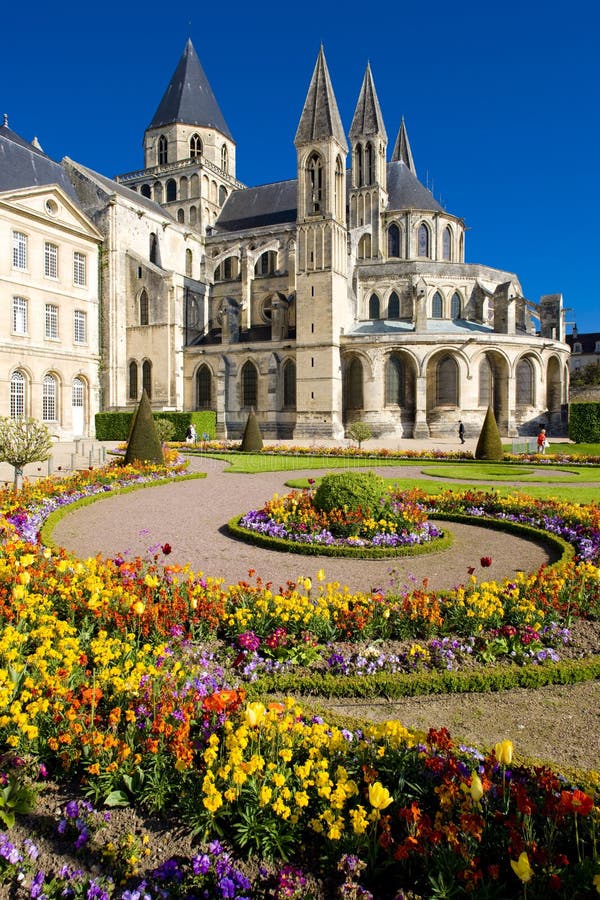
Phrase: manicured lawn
pixel 509 472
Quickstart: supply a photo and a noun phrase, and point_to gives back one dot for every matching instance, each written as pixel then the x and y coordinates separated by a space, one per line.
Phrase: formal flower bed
pixel 126 678
pixel 398 523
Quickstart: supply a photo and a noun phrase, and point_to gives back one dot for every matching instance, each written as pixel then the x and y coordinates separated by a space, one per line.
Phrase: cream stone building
pixel 342 294
pixel 49 354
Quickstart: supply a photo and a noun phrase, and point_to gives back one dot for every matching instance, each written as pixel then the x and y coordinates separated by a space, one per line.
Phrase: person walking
pixel 542 441
pixel 461 431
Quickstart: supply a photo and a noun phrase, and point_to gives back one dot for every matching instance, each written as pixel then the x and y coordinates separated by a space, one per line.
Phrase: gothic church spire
pixel 189 98
pixel 320 117
pixel 402 151
pixel 367 115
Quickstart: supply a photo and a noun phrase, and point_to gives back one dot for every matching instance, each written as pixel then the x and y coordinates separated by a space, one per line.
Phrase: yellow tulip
pixel 596 882
pixel 254 713
pixel 379 796
pixel 504 752
pixel 321 575
pixel 476 787
pixel 138 608
pixel 521 868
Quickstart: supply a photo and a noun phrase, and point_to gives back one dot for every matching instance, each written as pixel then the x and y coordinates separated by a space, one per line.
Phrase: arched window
pixel 49 399
pixel 144 307
pixel 354 385
pixel 180 216
pixel 222 195
pixel 193 215
pixel 394 306
pixel 249 385
pixel 340 194
pixel 195 146
pixel 188 263
pixel 455 306
pixel 133 380
pixel 227 269
pixel 364 247
pixel 437 306
pixel 147 377
pixel 289 384
pixel 171 190
pixel 158 192
pixel 447 244
pixel 358 165
pixel 446 382
pixel 224 158
pixel 524 383
pixel 369 164
pixel 194 186
pixel 17 395
pixel 423 241
pixel 203 388
pixel 183 188
pixel 266 263
pixel 373 306
pixel 393 241
pixel 485 383
pixel 394 382
pixel 314 183
pixel 153 254
pixel 162 150
pixel 145 191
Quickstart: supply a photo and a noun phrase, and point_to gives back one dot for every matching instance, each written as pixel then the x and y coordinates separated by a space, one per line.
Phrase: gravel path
pixel 190 516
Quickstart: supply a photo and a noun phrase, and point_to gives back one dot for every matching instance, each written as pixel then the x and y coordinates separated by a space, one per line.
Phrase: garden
pixel 161 732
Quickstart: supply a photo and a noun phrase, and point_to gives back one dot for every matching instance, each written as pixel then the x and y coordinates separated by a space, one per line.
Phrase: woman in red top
pixel 542 443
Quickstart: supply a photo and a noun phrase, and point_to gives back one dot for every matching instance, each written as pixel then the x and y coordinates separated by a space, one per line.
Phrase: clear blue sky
pixel 500 101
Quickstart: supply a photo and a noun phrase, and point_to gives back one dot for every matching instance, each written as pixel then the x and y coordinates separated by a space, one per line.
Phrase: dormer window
pixel 195 146
pixel 577 348
pixel 597 347
pixel 162 150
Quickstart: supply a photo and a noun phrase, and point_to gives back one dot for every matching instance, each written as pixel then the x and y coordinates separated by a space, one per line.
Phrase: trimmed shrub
pixel 144 443
pixel 252 440
pixel 350 490
pixel 115 426
pixel 489 444
pixel 584 423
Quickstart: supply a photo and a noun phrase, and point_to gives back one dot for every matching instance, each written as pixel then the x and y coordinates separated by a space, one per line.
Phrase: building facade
pixel 49 305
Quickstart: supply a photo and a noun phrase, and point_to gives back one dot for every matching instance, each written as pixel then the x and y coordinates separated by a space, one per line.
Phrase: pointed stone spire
pixel 189 98
pixel 35 143
pixel 367 115
pixel 402 151
pixel 320 117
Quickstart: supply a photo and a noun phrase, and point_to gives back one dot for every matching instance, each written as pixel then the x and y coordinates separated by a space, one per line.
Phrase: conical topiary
pixel 144 443
pixel 489 444
pixel 252 440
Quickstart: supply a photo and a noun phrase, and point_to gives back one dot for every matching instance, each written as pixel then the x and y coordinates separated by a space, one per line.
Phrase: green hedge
pixel 584 422
pixel 273 543
pixel 391 686
pixel 114 426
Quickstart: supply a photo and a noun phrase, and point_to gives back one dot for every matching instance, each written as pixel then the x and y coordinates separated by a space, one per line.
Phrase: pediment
pixel 53 206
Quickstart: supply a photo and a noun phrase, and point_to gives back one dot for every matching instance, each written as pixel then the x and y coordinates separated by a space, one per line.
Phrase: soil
pixel 558 725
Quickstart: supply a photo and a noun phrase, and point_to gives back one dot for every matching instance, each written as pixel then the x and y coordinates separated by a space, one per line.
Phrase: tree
pixel 252 441
pixel 144 443
pixel 23 441
pixel 489 445
pixel 359 432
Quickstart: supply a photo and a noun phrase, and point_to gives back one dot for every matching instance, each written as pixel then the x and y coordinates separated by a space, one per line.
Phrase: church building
pixel 337 296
